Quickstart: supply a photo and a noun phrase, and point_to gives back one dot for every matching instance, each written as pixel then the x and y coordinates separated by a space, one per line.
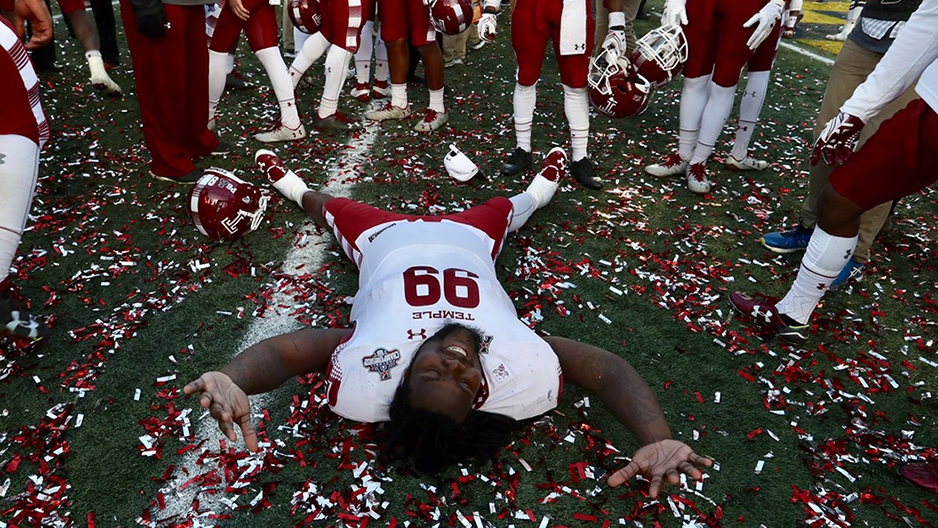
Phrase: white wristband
pixel 616 18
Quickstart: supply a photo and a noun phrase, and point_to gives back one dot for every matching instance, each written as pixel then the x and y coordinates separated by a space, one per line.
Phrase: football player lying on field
pixel 436 348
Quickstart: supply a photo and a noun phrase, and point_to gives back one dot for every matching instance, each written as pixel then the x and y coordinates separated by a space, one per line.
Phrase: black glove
pixel 152 25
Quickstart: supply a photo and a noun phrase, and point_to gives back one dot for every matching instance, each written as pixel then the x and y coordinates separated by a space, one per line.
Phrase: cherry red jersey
pixel 19 90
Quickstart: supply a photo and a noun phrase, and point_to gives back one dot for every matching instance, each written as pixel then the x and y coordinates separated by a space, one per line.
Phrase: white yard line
pixel 808 53
pixel 310 255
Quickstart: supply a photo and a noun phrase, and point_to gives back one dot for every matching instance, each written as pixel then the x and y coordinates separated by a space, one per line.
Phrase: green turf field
pixel 95 431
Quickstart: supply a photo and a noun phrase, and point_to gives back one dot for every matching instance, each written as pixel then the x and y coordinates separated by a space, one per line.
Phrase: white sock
pixel 399 95
pixel 18 174
pixel 336 69
pixel 382 70
pixel 312 49
pixel 292 186
pixel 436 101
pixel 525 99
pixel 216 80
pixel 825 257
pixel 8 244
pixel 719 106
pixel 693 101
pixel 524 205
pixel 750 106
pixel 363 55
pixel 272 61
pixel 229 63
pixel 95 64
pixel 576 106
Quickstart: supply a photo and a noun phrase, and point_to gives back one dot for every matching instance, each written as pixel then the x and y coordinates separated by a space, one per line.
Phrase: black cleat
pixel 583 171
pixel 518 162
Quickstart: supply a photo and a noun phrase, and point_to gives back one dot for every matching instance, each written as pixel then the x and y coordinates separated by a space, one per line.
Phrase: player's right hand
pixel 152 25
pixel 488 27
pixel 227 404
pixel 675 13
pixel 239 10
pixel 40 21
pixel 838 140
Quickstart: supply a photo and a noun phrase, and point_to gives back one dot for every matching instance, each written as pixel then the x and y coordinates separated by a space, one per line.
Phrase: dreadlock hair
pixel 434 441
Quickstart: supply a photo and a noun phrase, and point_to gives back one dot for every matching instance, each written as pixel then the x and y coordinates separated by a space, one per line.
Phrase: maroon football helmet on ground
pixel 660 55
pixel 305 14
pixel 451 17
pixel 614 87
pixel 223 207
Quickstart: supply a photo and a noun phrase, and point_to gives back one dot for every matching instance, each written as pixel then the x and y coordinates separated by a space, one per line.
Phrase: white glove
pixel 764 21
pixel 488 26
pixel 674 13
pixel 615 40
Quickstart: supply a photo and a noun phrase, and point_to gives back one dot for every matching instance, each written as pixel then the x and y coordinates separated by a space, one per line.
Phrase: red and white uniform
pixel 19 91
pixel 716 38
pixel 171 75
pixel 416 275
pixel 902 156
pixel 261 28
pixel 23 132
pixel 343 21
pixel 406 19
pixel 568 24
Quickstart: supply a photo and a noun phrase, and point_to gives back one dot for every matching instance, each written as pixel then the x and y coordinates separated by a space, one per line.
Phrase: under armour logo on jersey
pixel 2 156
pixel 422 334
pixel 381 362
pixel 168 25
pixel 847 254
pixel 821 286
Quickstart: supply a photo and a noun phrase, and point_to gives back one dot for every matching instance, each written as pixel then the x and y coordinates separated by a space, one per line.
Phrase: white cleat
pixel 432 121
pixel 547 180
pixel 281 132
pixel 746 164
pixel 388 111
pixel 697 180
pixel 671 166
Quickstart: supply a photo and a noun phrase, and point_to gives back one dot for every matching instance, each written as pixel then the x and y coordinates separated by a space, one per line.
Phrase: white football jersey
pixel 416 277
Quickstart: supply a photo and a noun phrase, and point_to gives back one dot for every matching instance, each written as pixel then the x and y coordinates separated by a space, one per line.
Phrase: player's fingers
pixel 683 18
pixel 623 475
pixel 227 428
pixel 206 400
pixel 194 386
pixel 247 430
pixel 655 486
pixel 689 469
pixel 751 21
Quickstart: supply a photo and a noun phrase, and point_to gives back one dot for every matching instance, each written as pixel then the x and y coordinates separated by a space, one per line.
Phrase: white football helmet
pixel 660 54
pixel 614 87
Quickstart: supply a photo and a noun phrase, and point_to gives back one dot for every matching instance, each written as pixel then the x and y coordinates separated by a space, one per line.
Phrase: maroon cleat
pixel 924 474
pixel 762 310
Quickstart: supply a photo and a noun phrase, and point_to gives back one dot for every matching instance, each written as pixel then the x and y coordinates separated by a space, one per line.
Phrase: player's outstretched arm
pixel 626 395
pixel 262 368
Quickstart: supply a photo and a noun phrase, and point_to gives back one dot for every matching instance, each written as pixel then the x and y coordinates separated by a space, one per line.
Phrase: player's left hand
pixel 239 10
pixel 615 40
pixel 40 21
pixel 838 140
pixel 227 403
pixel 660 460
pixel 764 21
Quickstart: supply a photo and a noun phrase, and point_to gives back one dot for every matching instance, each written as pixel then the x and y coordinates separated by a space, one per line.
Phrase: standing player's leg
pixel 529 34
pixel 19 166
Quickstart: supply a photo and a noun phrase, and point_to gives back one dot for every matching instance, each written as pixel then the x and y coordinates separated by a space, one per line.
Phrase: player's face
pixel 446 375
